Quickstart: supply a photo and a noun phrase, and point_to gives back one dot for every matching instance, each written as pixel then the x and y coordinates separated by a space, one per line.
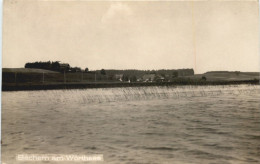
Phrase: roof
pixel 148 76
pixel 64 64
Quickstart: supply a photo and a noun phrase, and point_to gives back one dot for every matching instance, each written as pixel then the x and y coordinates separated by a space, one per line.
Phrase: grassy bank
pixel 81 85
pixel 37 79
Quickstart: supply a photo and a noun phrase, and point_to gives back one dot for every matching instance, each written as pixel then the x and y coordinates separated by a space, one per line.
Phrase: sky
pixel 203 35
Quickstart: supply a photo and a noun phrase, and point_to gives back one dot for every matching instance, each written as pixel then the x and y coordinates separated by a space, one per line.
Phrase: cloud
pixel 117 12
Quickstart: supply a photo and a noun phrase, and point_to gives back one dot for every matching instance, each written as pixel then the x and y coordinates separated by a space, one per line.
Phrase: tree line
pixel 161 72
pixel 130 74
pixel 54 66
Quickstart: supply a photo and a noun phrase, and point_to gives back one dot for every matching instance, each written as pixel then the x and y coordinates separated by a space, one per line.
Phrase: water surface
pixel 187 124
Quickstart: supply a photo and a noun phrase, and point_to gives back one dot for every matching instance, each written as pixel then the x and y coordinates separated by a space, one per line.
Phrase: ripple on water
pixel 136 125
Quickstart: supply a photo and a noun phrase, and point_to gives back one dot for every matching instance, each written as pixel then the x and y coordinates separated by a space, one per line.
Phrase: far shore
pixel 85 85
pixel 16 79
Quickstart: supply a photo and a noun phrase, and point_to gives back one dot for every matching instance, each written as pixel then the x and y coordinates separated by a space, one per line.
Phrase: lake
pixel 182 124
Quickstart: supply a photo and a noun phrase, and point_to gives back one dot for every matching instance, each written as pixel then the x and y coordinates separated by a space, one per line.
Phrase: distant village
pixel 57 75
pixel 162 75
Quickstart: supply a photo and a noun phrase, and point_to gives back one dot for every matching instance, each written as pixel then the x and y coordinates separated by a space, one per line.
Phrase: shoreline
pixel 86 85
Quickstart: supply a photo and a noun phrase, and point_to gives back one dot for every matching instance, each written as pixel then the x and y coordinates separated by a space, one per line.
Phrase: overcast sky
pixel 205 36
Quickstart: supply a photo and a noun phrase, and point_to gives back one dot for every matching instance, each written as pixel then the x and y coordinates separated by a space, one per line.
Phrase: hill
pixel 227 76
pixel 26 70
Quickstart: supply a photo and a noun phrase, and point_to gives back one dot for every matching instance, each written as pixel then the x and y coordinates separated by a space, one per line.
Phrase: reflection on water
pixel 191 124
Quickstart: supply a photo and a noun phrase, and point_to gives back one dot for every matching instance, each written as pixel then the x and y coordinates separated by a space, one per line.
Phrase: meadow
pixel 37 79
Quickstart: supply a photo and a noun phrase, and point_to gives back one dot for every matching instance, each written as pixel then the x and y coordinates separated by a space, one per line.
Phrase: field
pixel 25 70
pixel 37 79
pixel 36 76
pixel 227 76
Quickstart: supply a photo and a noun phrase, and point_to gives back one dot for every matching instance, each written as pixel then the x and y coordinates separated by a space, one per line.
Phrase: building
pixel 64 67
pixel 119 77
pixel 149 77
pixel 75 69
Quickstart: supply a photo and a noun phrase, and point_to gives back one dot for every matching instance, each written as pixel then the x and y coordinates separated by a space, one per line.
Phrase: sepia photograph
pixel 130 82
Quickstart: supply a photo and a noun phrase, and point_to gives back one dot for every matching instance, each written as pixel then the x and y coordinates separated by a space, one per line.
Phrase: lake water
pixel 185 124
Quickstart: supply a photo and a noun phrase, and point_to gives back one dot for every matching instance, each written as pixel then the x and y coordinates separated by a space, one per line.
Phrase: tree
pixel 103 72
pixel 86 69
pixel 174 74
pixel 125 78
pixel 55 66
pixel 28 65
pixel 152 72
pixel 75 69
pixel 133 78
pixel 163 74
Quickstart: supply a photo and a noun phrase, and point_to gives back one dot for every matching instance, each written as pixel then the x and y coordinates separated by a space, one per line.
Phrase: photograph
pixel 130 82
